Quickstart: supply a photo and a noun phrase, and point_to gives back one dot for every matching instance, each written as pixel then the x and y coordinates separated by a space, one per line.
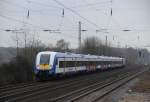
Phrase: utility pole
pixel 16 39
pixel 17 42
pixel 25 41
pixel 106 44
pixel 106 40
pixel 118 44
pixel 79 36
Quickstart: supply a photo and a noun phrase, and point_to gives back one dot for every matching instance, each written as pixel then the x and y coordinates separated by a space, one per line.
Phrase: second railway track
pixel 82 95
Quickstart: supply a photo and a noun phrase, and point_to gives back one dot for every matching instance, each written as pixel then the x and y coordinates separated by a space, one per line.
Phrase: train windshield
pixel 45 59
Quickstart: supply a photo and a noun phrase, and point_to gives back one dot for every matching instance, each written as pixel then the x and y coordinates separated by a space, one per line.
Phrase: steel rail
pixel 97 87
pixel 53 88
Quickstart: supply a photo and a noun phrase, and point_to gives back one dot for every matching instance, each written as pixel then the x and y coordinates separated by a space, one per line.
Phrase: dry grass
pixel 143 86
pixel 140 91
pixel 133 98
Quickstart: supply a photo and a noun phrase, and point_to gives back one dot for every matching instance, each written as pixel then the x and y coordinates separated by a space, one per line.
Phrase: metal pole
pixel 118 44
pixel 79 37
pixel 106 44
pixel 17 44
pixel 106 40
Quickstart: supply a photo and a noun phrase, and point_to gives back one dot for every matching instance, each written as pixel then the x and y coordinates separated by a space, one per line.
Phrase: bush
pixel 17 70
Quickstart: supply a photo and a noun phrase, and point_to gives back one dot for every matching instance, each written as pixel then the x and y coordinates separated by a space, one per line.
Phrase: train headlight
pixel 44 66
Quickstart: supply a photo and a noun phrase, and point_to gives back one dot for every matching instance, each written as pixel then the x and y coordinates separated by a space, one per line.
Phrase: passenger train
pixel 50 64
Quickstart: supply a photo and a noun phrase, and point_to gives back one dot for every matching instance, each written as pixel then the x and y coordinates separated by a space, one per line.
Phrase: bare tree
pixel 92 45
pixel 62 45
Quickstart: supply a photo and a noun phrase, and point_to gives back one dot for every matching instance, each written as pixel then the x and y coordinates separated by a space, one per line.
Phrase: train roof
pixel 68 54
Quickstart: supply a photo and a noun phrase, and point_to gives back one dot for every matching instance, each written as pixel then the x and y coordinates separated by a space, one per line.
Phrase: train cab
pixel 43 64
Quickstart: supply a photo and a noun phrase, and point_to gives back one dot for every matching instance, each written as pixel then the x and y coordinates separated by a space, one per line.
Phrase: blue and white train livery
pixel 55 63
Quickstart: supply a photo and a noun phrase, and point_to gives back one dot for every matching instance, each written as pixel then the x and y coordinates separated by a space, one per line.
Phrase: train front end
pixel 43 65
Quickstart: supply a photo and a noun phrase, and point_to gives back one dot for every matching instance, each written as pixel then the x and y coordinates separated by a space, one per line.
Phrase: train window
pixel 62 64
pixel 73 63
pixel 84 63
pixel 117 62
pixel 109 62
pixel 45 59
pixel 97 63
pixel 66 64
pixel 92 63
pixel 103 62
pixel 78 63
pixel 70 63
pixel 87 63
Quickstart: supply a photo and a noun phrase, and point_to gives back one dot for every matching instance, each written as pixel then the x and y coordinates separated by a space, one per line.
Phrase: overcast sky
pixel 94 15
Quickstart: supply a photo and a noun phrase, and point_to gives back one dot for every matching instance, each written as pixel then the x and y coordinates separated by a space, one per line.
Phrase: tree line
pixel 20 68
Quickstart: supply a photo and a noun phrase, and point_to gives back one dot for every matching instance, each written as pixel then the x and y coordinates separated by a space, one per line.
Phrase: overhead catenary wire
pixel 96 10
pixel 56 7
pixel 48 5
pixel 110 14
pixel 78 6
pixel 2 29
pixel 9 18
pixel 91 4
pixel 45 5
pixel 24 7
pixel 76 13
pixel 27 15
pixel 62 19
pixel 16 20
pixel 109 20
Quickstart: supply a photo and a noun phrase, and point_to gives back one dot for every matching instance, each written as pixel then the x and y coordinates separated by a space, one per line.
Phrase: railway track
pixel 16 86
pixel 20 94
pixel 46 91
pixel 100 92
pixel 10 87
pixel 115 86
pixel 97 91
pixel 77 93
pixel 20 89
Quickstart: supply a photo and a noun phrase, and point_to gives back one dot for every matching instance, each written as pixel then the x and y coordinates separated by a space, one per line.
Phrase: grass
pixel 143 86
